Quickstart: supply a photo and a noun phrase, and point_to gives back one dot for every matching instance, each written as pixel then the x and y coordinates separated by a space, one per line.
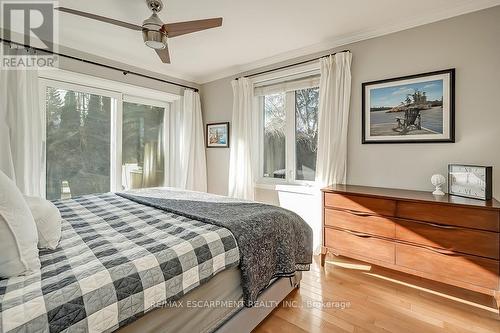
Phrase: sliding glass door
pixel 99 141
pixel 78 142
pixel 143 142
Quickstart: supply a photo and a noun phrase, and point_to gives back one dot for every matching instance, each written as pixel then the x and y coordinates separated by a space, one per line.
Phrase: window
pixel 98 140
pixel 143 157
pixel 290 134
pixel 274 136
pixel 78 143
pixel 306 133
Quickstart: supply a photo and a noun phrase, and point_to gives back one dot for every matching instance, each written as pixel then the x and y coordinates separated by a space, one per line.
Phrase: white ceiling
pixel 254 33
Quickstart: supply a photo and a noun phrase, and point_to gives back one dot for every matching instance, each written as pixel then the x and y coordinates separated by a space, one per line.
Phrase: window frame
pixel 290 145
pixel 119 93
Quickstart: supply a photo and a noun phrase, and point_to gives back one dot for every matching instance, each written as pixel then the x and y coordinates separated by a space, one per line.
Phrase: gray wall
pixel 469 43
pixel 217 105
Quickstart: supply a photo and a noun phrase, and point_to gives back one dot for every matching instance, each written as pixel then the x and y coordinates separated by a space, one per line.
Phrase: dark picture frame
pixel 413 119
pixel 488 181
pixel 214 139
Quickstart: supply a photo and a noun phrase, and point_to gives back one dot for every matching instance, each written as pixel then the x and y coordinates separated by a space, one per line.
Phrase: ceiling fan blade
pixel 182 28
pixel 164 55
pixel 100 18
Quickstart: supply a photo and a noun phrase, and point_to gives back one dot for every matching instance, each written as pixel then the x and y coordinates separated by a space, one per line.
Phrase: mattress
pixel 203 309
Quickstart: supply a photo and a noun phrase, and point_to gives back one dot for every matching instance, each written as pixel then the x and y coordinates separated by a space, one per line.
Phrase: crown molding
pixel 434 16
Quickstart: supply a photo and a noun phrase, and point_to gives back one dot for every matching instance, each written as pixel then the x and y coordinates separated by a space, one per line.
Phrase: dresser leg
pixel 323 255
pixel 497 298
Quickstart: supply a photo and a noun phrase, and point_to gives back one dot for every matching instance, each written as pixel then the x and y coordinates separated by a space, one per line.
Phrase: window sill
pixel 309 189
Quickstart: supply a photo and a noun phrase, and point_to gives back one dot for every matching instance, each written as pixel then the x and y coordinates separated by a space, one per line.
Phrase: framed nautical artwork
pixel 218 135
pixel 411 109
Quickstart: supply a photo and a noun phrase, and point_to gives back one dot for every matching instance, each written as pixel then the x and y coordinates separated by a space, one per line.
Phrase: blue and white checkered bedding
pixel 116 260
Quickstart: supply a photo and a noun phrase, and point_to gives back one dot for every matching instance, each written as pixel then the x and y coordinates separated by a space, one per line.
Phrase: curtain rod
pixel 124 71
pixel 292 65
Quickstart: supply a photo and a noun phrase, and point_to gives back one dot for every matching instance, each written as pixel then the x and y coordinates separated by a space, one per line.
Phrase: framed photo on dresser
pixel 410 109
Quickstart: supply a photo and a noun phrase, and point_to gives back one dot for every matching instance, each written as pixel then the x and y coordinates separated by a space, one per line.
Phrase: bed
pixel 160 260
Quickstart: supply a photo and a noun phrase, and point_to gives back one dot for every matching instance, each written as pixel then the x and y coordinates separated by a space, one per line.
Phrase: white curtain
pixel 21 130
pixel 187 154
pixel 149 169
pixel 333 117
pixel 243 141
pixel 172 169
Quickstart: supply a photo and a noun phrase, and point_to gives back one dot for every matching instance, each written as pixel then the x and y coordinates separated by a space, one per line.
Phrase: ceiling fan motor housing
pixel 152 33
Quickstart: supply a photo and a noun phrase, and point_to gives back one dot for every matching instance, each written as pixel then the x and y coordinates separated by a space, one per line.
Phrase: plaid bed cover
pixel 116 260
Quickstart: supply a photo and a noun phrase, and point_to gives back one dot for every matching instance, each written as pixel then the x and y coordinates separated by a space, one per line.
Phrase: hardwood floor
pixel 358 297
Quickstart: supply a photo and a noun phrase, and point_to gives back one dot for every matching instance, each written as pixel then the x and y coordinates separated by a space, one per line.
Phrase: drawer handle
pixel 357 234
pixel 353 212
pixel 441 251
pixel 440 225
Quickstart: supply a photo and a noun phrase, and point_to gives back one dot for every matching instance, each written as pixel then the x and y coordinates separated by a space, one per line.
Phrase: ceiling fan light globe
pixel 154 39
pixel 155 45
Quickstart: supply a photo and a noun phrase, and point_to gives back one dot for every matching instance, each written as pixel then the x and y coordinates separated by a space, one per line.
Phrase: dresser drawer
pixel 476 242
pixel 361 222
pixel 451 215
pixel 439 263
pixel 361 204
pixel 360 244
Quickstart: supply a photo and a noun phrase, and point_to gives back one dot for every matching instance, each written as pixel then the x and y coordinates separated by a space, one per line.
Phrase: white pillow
pixel 18 234
pixel 48 222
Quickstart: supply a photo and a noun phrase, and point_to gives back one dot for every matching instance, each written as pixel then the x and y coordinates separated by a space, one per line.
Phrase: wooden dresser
pixel 449 239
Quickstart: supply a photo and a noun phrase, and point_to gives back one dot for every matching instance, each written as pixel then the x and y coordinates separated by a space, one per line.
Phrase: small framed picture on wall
pixel 218 135
pixel 411 109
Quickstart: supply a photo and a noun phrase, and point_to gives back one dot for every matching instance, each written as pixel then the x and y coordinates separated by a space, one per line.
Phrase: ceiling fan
pixel 154 32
